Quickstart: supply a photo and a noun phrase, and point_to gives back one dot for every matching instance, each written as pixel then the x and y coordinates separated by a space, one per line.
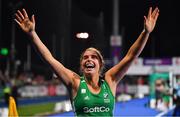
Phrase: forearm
pixel 40 47
pixel 63 73
pixel 139 44
pixel 119 70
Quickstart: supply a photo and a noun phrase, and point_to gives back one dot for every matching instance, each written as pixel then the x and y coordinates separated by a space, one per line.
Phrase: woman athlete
pixel 90 94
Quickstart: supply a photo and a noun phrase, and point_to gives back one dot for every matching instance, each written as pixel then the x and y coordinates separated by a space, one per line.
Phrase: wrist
pixel 32 32
pixel 146 32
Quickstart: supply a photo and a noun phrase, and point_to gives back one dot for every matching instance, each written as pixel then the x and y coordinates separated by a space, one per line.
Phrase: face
pixel 159 85
pixel 90 63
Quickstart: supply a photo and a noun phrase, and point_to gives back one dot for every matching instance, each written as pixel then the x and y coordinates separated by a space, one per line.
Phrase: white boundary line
pixel 165 112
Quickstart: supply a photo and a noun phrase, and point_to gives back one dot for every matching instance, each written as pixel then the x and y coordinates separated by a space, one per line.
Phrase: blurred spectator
pixel 176 98
pixel 9 88
pixel 14 90
pixel 51 89
pixel 7 92
pixel 39 79
pixel 140 80
pixel 6 87
pixel 162 95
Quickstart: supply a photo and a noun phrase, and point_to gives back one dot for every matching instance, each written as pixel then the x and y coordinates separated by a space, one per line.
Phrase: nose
pixel 89 58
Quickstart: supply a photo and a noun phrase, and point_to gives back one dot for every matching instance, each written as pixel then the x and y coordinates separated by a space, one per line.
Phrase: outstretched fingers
pixel 17 22
pixel 145 18
pixel 155 13
pixel 156 16
pixel 18 18
pixel 150 12
pixel 33 19
pixel 25 13
pixel 24 22
pixel 20 14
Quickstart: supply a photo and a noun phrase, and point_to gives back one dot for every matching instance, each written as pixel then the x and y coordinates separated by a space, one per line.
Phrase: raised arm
pixel 116 73
pixel 28 26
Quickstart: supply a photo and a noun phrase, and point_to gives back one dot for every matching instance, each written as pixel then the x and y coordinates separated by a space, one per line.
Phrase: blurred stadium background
pixel 67 27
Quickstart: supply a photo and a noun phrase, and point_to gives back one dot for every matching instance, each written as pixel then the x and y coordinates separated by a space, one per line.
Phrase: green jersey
pixel 88 104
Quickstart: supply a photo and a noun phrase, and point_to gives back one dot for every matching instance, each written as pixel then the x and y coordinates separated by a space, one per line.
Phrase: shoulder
pixel 75 82
pixel 112 85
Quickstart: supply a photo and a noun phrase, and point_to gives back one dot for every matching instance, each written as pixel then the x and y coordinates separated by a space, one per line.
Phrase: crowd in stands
pixel 9 85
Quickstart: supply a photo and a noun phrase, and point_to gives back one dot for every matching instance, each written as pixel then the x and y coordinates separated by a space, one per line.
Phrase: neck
pixel 93 81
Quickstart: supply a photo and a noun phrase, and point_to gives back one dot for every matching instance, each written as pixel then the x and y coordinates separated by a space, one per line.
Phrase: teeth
pixel 89 65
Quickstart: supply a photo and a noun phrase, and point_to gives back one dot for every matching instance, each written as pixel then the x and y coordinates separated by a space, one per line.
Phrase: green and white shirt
pixel 88 104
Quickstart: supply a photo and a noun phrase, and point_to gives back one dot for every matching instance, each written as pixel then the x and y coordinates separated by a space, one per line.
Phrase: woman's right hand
pixel 24 22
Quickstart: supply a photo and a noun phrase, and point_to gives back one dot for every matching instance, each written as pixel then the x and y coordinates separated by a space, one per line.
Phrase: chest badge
pixel 106 99
pixel 83 90
pixel 105 95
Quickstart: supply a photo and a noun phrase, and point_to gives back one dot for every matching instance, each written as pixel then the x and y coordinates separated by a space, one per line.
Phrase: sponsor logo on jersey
pixel 96 109
pixel 86 98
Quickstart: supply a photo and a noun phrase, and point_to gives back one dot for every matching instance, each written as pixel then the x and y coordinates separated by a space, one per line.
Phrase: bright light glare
pixel 84 35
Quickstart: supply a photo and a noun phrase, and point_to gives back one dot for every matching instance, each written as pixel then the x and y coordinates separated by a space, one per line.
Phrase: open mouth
pixel 89 65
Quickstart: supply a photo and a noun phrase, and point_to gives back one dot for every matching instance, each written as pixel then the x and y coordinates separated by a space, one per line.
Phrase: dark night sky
pixel 85 14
